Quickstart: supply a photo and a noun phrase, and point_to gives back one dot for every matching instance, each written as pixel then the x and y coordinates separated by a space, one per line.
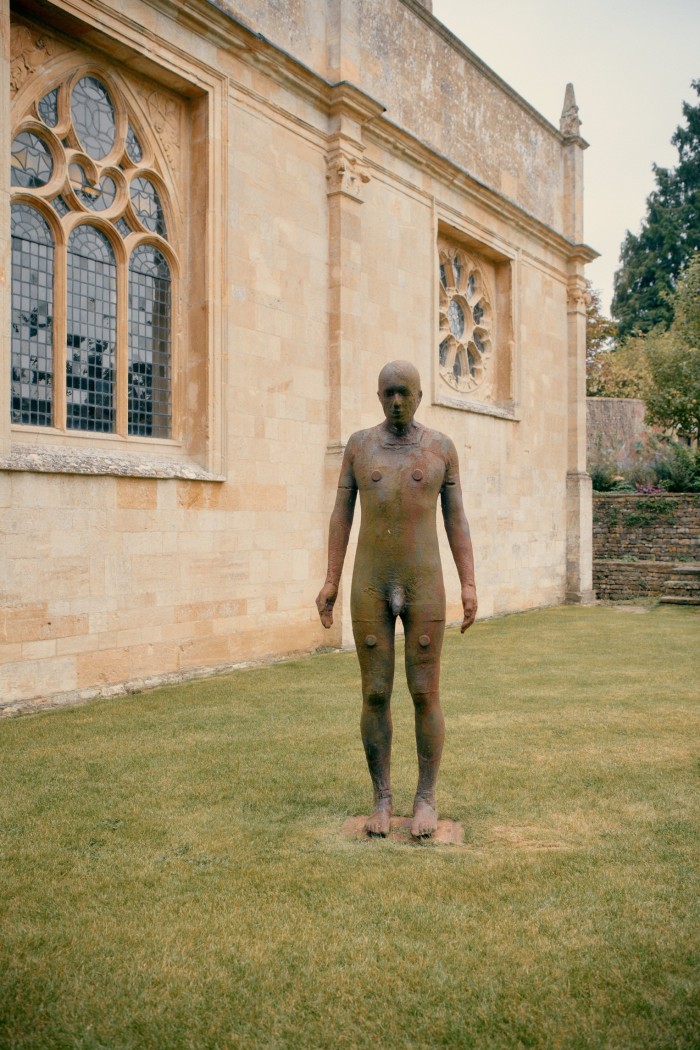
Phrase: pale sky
pixel 631 63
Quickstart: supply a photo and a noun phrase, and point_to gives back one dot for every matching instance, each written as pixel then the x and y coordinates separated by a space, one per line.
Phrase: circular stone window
pixel 465 322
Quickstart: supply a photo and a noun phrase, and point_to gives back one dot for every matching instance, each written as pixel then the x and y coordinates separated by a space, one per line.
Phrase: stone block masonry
pixel 640 542
pixel 311 160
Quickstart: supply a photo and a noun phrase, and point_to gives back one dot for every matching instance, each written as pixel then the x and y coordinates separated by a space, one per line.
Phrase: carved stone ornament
pixel 30 50
pixel 346 174
pixel 164 114
pixel 578 296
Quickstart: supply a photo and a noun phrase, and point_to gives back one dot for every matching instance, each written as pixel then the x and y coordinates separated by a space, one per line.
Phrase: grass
pixel 172 871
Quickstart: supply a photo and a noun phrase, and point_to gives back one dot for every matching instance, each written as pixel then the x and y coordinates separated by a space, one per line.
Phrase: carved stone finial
pixel 570 124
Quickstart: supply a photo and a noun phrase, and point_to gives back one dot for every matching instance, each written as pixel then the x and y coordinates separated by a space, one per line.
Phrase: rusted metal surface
pixel 400 469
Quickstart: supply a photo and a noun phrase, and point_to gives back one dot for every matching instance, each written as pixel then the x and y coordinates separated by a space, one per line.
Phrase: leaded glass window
pixel 97 197
pixel 32 313
pixel 93 117
pixel 60 205
pixel 48 108
pixel 32 163
pixel 465 321
pixel 133 146
pixel 91 331
pixel 111 201
pixel 146 201
pixel 149 343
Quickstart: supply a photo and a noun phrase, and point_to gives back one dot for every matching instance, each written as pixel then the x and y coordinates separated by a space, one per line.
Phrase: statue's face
pixel 400 395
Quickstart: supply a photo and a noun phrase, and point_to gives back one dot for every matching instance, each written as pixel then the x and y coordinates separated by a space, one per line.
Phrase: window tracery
pixel 475 363
pixel 93 224
pixel 465 339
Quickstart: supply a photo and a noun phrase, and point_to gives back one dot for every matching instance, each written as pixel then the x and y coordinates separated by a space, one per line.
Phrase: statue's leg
pixel 373 628
pixel 424 635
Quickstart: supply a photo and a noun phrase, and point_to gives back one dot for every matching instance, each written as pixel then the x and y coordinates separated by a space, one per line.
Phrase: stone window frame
pixel 75 214
pixel 496 393
pixel 195 252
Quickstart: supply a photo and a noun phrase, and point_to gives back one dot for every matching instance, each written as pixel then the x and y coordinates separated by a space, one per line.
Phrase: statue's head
pixel 399 392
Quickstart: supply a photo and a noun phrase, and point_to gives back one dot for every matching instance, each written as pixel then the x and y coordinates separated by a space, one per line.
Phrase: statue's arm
pixel 459 538
pixel 338 537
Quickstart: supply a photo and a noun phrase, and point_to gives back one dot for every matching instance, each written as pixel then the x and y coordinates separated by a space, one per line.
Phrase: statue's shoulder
pixel 363 439
pixel 439 443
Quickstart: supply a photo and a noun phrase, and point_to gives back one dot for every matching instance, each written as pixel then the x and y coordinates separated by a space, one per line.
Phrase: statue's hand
pixel 325 602
pixel 469 604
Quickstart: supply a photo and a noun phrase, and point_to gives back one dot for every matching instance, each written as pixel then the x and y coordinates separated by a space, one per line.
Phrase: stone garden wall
pixel 613 422
pixel 639 540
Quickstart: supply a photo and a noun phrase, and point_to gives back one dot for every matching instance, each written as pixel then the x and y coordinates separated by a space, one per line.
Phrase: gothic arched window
pixel 32 313
pixel 149 342
pixel 93 265
pixel 91 331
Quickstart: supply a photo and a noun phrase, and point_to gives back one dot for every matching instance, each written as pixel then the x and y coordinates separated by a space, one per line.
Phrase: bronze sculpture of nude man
pixel 399 468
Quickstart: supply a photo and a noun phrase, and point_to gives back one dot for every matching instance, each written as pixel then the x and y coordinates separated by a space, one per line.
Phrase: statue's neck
pixel 402 434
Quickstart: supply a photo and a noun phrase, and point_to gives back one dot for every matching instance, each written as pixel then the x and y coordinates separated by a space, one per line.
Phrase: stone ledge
pixel 647 563
pixel 482 408
pixel 619 579
pixel 54 459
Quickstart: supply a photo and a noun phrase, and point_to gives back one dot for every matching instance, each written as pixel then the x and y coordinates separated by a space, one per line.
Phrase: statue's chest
pixel 399 473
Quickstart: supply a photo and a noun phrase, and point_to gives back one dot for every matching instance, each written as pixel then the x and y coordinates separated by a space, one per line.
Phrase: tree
pixel 673 397
pixel 622 372
pixel 652 261
pixel 600 333
pixel 600 330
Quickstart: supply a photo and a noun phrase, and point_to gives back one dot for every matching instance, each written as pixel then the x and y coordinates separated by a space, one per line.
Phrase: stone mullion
pixel 121 392
pixel 60 332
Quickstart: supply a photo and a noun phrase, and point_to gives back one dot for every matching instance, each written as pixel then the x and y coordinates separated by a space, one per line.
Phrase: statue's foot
pixel 379 822
pixel 424 823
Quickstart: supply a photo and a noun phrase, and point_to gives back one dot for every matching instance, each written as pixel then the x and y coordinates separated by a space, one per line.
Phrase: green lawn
pixel 172 871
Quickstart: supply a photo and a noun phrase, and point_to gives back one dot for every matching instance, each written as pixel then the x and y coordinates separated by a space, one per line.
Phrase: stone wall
pixel 333 144
pixel 613 422
pixel 454 102
pixel 638 540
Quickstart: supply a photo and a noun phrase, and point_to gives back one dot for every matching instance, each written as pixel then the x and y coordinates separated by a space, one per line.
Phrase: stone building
pixel 221 217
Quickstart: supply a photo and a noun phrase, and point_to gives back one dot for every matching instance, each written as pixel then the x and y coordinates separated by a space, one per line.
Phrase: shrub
pixel 679 471
pixel 650 464
pixel 602 467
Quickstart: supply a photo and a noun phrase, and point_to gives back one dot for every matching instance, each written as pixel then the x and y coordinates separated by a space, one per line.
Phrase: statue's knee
pixel 377 696
pixel 424 699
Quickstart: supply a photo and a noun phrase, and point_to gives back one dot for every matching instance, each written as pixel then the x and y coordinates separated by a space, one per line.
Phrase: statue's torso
pixel 399 484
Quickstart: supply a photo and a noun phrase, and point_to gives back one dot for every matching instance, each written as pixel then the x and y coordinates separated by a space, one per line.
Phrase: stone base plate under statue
pixel 449 832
